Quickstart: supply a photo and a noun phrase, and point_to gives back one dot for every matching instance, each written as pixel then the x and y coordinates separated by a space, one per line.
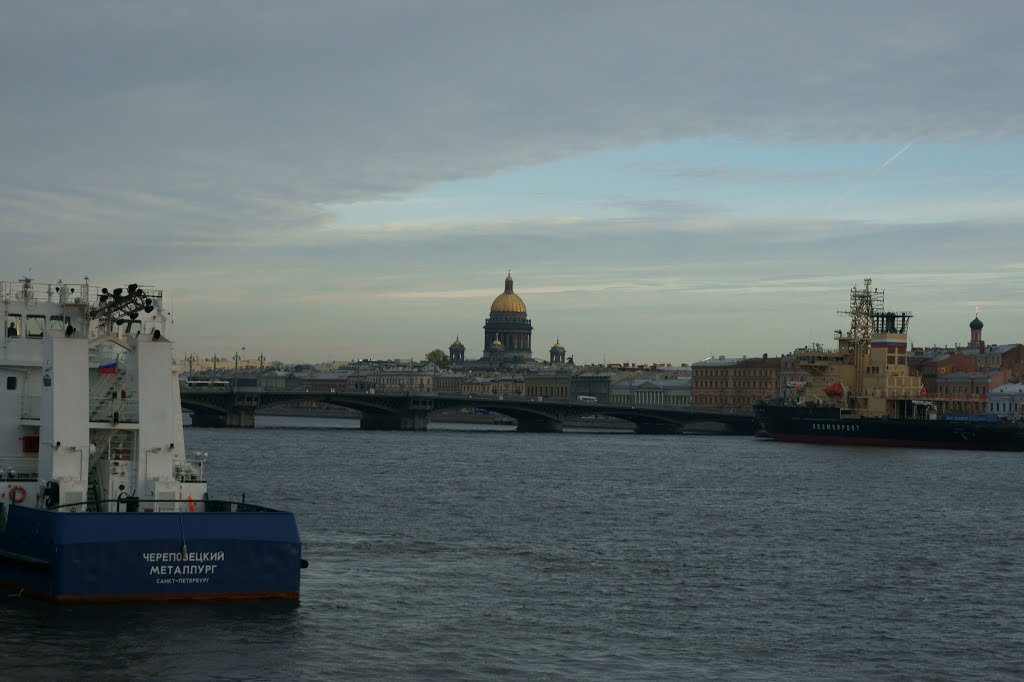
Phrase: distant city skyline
pixel 666 181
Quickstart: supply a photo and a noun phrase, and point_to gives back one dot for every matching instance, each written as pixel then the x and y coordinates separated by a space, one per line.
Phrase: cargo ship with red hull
pixel 862 393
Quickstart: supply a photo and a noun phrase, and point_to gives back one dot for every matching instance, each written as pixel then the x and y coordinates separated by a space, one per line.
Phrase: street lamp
pixel 237 358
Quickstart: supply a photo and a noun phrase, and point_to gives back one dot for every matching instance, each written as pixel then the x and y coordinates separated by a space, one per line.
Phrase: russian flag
pixel 109 368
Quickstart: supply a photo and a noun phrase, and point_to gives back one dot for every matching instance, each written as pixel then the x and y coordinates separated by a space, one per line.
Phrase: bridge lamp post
pixel 237 358
pixel 259 375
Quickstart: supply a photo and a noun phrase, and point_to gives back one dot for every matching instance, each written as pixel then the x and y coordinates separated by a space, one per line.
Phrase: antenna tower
pixel 865 304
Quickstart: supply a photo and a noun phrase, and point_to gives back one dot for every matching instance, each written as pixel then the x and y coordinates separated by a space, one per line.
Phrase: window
pixel 58 323
pixel 13 325
pixel 35 325
pixel 12 383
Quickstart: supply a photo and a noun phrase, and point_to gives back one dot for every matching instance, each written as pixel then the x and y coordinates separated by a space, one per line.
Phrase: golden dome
pixel 508 301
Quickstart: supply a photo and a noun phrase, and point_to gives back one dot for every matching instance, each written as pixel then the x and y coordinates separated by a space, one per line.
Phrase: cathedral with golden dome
pixel 508 337
pixel 507 330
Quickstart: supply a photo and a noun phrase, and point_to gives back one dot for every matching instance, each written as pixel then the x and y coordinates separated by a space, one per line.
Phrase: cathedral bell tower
pixel 557 353
pixel 457 351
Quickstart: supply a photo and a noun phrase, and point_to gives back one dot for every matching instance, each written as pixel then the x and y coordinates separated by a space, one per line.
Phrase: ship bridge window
pixel 12 383
pixel 58 323
pixel 13 325
pixel 35 325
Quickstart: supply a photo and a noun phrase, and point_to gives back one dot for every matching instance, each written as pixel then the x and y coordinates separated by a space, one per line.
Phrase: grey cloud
pixel 197 128
pixel 363 97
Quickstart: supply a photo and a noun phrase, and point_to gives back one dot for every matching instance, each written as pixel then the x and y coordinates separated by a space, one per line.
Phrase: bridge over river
pixel 411 411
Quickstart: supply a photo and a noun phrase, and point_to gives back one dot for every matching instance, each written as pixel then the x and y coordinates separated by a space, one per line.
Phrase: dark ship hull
pixel 107 557
pixel 823 425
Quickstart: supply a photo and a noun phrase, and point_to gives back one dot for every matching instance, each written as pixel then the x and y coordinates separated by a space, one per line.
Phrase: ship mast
pixel 865 305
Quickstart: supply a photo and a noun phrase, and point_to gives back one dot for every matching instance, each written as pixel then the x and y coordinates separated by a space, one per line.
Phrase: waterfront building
pixel 548 385
pixel 967 392
pixel 636 392
pixel 712 382
pixel 507 331
pixel 1007 401
pixel 985 356
pixel 652 392
pixel 276 380
pixel 934 365
pixel 326 381
pixel 449 383
pixel 596 384
pixel 476 387
pixel 507 385
pixel 676 392
pixel 1003 356
pixel 399 380
pixel 735 384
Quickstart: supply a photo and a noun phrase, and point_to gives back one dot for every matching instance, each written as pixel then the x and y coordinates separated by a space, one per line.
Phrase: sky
pixel 666 181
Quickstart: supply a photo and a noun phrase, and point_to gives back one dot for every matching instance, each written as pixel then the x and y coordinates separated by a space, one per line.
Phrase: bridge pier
pixel 410 421
pixel 240 418
pixel 538 425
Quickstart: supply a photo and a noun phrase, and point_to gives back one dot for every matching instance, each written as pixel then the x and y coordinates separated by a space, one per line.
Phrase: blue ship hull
pixel 96 556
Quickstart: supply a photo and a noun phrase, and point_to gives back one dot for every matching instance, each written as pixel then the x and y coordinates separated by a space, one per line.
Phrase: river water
pixel 478 553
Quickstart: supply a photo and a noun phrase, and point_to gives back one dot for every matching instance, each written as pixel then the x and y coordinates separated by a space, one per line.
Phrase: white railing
pixel 106 409
pixel 19 469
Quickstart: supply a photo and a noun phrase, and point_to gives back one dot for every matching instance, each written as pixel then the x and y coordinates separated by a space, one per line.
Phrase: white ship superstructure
pixel 90 414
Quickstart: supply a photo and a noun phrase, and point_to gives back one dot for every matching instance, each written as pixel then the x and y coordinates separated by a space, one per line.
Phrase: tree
pixel 439 358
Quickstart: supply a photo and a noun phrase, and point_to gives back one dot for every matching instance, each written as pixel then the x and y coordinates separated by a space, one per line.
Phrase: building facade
pixel 637 392
pixel 933 366
pixel 548 385
pixel 1005 356
pixel 1007 401
pixel 735 384
pixel 596 384
pixel 967 392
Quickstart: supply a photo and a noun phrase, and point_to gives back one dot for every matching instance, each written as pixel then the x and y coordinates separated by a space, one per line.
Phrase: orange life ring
pixel 16 494
pixel 191 504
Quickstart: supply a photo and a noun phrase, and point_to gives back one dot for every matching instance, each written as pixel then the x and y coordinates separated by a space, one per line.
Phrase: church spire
pixel 976 326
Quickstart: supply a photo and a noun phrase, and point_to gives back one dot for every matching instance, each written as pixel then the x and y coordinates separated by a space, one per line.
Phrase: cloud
pixel 341 101
pixel 222 148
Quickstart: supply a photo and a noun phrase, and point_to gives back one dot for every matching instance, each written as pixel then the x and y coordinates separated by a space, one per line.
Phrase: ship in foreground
pixel 863 393
pixel 98 500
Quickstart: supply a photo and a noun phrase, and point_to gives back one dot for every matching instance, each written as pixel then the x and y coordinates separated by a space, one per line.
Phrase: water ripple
pixel 488 555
